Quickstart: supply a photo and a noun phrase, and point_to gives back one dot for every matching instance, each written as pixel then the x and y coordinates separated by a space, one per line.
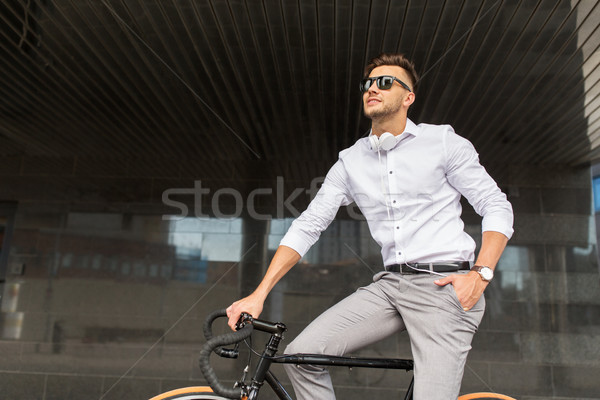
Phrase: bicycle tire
pixel 190 393
pixel 485 396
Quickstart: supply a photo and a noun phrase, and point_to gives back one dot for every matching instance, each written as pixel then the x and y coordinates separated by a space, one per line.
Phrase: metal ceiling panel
pixel 248 90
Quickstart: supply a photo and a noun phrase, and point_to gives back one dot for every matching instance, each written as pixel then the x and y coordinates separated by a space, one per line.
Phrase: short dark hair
pixel 394 59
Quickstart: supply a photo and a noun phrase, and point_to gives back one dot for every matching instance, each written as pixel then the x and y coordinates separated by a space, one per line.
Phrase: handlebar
pixel 213 344
pixel 207 329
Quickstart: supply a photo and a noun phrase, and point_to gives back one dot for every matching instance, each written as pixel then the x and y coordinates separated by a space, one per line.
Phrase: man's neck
pixel 394 125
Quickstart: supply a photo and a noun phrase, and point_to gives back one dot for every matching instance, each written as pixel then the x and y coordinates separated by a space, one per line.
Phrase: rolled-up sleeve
pixel 307 228
pixel 469 177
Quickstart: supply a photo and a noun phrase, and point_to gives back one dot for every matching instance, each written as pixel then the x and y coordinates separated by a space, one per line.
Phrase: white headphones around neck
pixel 384 142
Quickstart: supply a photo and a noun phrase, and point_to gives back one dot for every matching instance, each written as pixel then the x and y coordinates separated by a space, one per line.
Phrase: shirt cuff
pixel 497 223
pixel 296 242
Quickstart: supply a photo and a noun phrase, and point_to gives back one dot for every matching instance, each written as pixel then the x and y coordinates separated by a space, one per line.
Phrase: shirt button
pixel 391 172
pixel 399 253
pixel 394 201
pixel 397 227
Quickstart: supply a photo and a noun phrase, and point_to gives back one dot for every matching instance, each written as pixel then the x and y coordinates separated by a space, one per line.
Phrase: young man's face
pixel 381 103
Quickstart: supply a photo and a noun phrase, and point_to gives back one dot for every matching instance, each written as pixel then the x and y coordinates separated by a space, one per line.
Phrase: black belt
pixel 429 267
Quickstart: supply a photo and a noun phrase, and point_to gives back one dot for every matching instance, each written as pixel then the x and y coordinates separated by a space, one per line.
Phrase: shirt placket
pixel 393 192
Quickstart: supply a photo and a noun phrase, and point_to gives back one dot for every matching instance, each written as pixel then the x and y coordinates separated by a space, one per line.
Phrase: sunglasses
pixel 384 82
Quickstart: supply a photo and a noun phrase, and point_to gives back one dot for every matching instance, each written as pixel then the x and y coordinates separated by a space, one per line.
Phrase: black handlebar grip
pixel 207 328
pixel 209 372
pixel 209 320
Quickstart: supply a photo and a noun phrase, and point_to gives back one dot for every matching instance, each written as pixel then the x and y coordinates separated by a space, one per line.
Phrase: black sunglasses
pixel 384 82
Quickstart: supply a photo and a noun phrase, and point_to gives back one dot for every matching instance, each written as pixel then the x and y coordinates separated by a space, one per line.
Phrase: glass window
pixel 596 188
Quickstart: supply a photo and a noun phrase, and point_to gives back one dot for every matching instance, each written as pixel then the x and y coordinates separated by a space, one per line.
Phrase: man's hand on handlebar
pixel 251 305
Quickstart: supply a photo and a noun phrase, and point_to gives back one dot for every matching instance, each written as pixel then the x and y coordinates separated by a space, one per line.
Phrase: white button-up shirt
pixel 409 196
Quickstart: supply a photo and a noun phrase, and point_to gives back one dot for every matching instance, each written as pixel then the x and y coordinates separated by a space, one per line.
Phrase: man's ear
pixel 410 98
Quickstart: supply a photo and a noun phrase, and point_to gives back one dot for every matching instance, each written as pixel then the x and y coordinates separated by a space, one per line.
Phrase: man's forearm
pixel 283 260
pixel 492 246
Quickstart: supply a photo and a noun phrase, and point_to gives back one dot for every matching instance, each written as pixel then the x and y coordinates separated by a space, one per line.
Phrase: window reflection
pixel 206 239
pixel 515 260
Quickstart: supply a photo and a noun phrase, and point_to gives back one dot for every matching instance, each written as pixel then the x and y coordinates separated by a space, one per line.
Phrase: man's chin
pixel 370 113
pixel 373 115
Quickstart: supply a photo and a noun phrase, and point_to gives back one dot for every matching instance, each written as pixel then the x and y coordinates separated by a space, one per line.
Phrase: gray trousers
pixel 440 333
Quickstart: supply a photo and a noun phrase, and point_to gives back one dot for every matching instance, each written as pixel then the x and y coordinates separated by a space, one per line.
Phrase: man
pixel 407 180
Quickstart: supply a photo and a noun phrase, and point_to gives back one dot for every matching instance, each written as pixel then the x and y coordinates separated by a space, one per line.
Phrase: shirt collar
pixel 411 128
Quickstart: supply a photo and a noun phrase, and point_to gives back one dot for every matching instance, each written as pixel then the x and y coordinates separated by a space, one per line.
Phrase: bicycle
pixel 249 390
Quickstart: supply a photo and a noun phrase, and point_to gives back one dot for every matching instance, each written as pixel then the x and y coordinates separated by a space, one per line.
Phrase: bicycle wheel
pixel 189 393
pixel 485 396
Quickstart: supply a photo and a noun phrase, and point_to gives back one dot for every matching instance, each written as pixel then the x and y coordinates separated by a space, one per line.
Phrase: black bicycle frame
pixel 276 330
pixel 262 373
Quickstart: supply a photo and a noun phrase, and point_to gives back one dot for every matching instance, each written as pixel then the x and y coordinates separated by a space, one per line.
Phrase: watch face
pixel 487 273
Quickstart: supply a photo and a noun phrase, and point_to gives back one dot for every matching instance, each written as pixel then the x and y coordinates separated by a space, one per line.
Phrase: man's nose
pixel 373 88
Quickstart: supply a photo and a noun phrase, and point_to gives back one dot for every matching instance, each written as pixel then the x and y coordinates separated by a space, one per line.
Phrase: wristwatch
pixel 486 273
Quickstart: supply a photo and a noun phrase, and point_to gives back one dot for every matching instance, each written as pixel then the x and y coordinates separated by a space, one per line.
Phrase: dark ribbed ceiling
pixel 248 90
